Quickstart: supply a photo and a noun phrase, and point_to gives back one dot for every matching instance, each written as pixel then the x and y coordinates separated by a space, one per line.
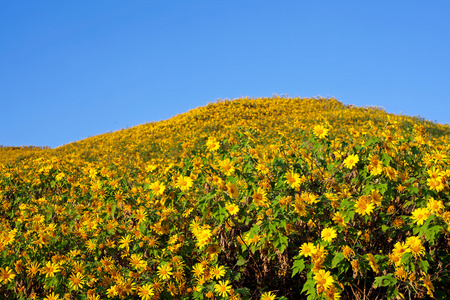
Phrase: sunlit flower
pixel 351 161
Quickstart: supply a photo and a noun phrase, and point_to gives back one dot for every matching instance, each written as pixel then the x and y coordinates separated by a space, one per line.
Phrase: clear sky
pixel 74 69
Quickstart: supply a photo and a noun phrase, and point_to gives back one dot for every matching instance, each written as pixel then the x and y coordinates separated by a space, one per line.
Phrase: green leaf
pixel 385 280
pixel 337 259
pixel 298 266
pixel 241 262
pixel 424 265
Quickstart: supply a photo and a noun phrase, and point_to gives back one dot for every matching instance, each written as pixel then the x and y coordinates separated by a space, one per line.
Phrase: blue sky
pixel 74 69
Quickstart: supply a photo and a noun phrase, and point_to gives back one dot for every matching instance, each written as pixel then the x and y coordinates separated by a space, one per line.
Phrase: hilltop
pixel 265 198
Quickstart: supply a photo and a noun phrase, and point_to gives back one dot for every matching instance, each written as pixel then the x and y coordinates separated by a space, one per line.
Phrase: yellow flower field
pixel 273 198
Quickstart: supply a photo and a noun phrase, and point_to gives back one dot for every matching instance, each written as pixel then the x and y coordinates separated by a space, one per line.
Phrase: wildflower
pixel 324 281
pixel 218 272
pixel 184 183
pixel 320 131
pixel 222 288
pixel 227 166
pixel 348 252
pixel 260 198
pixel 328 234
pixel 76 281
pixel 212 144
pixel 268 296
pixel 6 275
pixel 198 270
pixel 52 296
pixel 400 273
pixel 293 179
pixel 351 161
pixel 435 206
pixel 373 262
pixel 308 249
pixel 428 284
pixel 415 246
pixel 125 242
pixel 232 208
pixel 157 187
pixel 232 190
pixel 338 218
pixel 50 269
pixel 164 271
pixel 363 206
pixel 419 215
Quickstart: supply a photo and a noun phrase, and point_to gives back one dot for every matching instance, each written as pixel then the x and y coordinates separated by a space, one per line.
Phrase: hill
pixel 250 198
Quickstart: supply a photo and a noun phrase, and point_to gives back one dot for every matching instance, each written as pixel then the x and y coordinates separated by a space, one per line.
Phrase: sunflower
pixel 351 161
pixel 324 281
pixel 222 288
pixel 328 234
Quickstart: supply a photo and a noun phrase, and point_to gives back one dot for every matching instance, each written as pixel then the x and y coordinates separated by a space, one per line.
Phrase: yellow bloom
pixel 324 281
pixel 164 271
pixel 320 131
pixel 50 269
pixel 268 296
pixel 222 288
pixel 218 272
pixel 293 179
pixel 428 284
pixel 373 262
pixel 232 190
pixel 351 161
pixel 158 188
pixel 307 249
pixel 212 144
pixel 6 275
pixel 260 198
pixel 363 206
pixel 146 292
pixel 232 208
pixel 52 296
pixel 184 183
pixel 420 215
pixel 328 234
pixel 76 281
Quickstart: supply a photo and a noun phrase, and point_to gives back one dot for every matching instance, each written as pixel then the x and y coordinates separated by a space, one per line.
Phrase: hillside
pixel 250 198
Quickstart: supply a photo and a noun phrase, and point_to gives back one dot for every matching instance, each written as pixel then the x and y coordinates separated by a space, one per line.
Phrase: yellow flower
pixel 222 288
pixel 52 296
pixel 157 187
pixel 76 281
pixel 351 161
pixel 428 284
pixel 260 198
pixel 232 190
pixel 373 262
pixel 324 281
pixel 146 292
pixel 212 144
pixel 218 272
pixel 232 208
pixel 307 249
pixel 435 206
pixel 420 215
pixel 164 271
pixel 6 275
pixel 293 179
pixel 184 183
pixel 50 269
pixel 363 206
pixel 328 234
pixel 320 131
pixel 268 296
